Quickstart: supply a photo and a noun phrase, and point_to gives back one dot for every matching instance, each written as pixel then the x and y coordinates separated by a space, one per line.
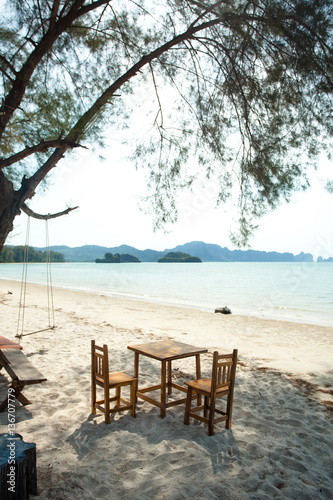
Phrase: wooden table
pixel 166 352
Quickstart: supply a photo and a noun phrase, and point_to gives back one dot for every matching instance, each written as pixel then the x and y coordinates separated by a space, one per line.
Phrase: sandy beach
pixel 281 441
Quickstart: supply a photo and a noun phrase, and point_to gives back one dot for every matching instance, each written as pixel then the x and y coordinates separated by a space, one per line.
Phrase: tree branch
pixel 6 75
pixel 79 128
pixel 54 12
pixel 15 96
pixel 42 147
pixel 33 214
pixel 10 66
pixel 92 6
pixel 206 11
pixel 29 185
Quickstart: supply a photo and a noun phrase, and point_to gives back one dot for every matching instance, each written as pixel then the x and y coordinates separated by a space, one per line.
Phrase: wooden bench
pixel 9 344
pixel 22 373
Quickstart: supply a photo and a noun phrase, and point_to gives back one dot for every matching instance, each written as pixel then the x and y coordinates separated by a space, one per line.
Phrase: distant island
pixel 320 259
pixel 17 254
pixel 178 257
pixel 207 252
pixel 117 258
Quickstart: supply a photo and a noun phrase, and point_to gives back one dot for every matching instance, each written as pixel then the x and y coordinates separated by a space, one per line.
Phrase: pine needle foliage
pixel 250 85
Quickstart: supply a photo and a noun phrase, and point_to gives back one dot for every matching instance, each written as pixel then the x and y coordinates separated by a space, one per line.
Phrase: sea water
pixel 301 292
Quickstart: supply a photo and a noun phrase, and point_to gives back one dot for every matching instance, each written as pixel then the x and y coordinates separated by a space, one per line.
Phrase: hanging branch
pixel 29 185
pixel 15 95
pixel 42 147
pixel 33 214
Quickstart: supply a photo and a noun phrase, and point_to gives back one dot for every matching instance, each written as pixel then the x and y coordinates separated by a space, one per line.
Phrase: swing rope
pixel 20 321
pixel 50 304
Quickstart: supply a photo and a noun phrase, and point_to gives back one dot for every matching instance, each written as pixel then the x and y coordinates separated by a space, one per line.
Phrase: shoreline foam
pixel 260 313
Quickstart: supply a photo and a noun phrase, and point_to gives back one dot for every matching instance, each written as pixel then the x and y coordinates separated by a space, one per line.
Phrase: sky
pixel 108 194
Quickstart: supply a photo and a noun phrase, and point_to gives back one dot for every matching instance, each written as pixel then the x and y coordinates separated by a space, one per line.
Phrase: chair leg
pixel 188 406
pixel 211 417
pixel 107 404
pixel 93 397
pixel 229 412
pixel 118 392
pixel 133 399
pixel 206 406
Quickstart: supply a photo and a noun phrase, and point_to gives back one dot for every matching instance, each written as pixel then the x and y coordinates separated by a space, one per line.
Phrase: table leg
pixel 169 377
pixel 163 388
pixel 197 363
pixel 136 365
pixel 198 374
pixel 136 371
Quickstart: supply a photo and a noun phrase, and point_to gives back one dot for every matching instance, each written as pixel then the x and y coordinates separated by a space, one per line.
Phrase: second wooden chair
pixel 100 376
pixel 220 384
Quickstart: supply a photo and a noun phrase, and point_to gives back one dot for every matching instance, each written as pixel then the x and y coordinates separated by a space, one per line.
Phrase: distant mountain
pixel 207 252
pixel 86 253
pixel 89 253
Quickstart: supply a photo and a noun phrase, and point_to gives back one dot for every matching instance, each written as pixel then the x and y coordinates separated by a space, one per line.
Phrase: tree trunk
pixel 9 208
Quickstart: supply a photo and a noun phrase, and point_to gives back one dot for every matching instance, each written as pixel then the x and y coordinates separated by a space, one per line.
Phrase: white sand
pixel 280 444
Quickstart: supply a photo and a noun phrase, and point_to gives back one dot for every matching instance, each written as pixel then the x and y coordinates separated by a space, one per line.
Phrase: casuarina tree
pixel 249 86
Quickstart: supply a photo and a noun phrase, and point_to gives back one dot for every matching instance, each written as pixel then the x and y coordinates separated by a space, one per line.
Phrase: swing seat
pixel 20 323
pixel 22 373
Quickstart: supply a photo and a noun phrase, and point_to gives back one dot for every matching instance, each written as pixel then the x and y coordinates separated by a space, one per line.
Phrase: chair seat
pixel 201 384
pixel 204 386
pixel 116 378
pixel 120 378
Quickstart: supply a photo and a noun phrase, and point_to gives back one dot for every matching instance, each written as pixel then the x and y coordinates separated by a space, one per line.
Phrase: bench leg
pixel 20 397
pixel 4 404
pixel 19 386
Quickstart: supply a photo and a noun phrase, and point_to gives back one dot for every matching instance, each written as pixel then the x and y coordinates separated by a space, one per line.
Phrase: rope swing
pixel 22 304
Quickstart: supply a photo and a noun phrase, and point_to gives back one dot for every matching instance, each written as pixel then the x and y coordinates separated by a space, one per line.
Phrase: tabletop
pixel 166 350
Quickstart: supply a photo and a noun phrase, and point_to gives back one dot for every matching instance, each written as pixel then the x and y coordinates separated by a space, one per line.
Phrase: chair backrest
pixel 100 362
pixel 223 371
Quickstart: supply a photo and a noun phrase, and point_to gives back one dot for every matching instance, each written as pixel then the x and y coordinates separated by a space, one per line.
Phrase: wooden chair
pixel 220 384
pixel 100 376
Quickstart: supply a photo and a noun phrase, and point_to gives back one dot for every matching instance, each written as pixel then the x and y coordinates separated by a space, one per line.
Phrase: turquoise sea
pixel 301 292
